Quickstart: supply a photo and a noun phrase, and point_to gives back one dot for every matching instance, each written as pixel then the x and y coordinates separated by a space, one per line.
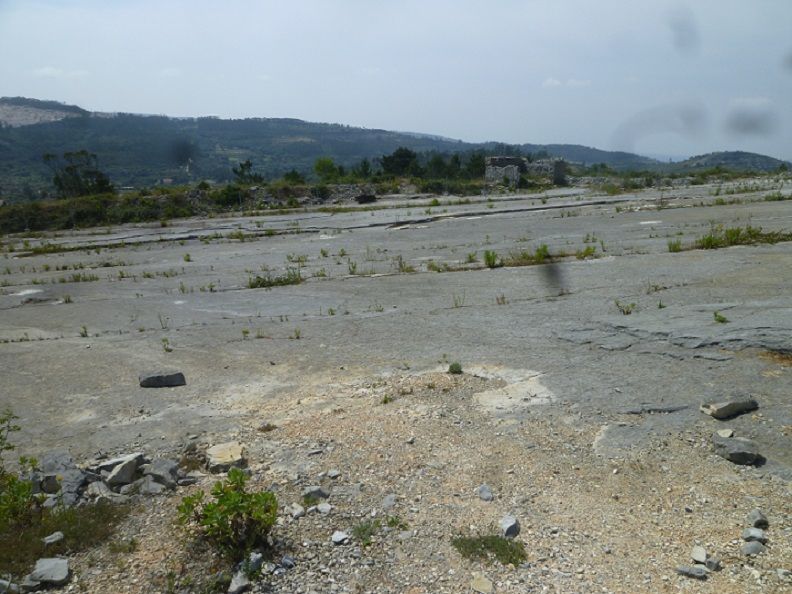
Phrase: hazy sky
pixel 656 77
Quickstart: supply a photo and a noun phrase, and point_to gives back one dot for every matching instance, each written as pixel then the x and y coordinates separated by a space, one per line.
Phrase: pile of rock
pixel 110 481
pixel 755 541
pixel 737 450
pixel 754 536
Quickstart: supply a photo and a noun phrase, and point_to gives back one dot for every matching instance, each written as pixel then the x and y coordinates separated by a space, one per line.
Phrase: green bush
pixel 237 520
pixel 455 368
pixel 18 505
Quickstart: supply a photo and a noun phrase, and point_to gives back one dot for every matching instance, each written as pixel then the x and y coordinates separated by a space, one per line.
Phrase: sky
pixel 657 77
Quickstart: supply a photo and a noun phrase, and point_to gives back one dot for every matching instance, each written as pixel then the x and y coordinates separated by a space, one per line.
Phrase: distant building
pixel 507 170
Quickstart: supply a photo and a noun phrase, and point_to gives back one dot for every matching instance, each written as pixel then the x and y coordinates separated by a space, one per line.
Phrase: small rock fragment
pixel 296 510
pixel 729 408
pixel 484 492
pixel 339 537
pixel 697 572
pixel 509 526
pixel 6 586
pixel 757 519
pixel 698 554
pixel 754 534
pixel 53 538
pixel 315 492
pixel 725 432
pixel 333 473
pixel 713 563
pixel 324 508
pixel 752 548
pixel 50 484
pixel 389 501
pixel 162 379
pixel 481 584
pixel 288 562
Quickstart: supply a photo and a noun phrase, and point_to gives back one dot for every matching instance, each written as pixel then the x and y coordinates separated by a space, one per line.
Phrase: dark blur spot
pixel 788 62
pixel 553 277
pixel 757 122
pixel 684 30
pixel 181 151
pixel 687 120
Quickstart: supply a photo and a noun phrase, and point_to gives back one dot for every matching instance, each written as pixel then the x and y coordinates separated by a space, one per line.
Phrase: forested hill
pixel 141 150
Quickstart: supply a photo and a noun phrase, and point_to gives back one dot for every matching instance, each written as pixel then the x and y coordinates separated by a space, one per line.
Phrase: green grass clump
pixel 488 547
pixel 720 237
pixel 83 527
pixel 491 259
pixel 720 318
pixel 455 368
pixel 674 245
pixel 292 277
pixel 364 531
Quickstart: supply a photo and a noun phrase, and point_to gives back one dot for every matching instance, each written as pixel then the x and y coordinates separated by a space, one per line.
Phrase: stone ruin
pixel 507 170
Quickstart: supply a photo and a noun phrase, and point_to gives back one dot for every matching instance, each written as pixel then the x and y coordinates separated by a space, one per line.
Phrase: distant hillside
pixel 142 150
pixel 21 111
pixel 735 160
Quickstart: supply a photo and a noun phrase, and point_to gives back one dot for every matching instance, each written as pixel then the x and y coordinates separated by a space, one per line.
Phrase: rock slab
pixel 224 456
pixel 729 408
pixel 162 379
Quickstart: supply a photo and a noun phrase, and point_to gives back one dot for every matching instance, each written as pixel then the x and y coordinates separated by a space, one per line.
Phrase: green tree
pixel 326 169
pixel 294 177
pixel 475 165
pixel 244 174
pixel 402 161
pixel 77 174
pixel 363 169
pixel 437 167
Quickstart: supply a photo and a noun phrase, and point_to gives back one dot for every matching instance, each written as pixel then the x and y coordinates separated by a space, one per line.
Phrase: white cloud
pixel 551 82
pixel 58 73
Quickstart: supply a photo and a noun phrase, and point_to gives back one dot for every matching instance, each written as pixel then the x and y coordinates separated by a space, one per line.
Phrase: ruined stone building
pixel 507 170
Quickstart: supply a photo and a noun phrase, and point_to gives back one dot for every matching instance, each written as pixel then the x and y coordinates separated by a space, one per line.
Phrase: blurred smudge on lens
pixel 553 277
pixel 182 151
pixel 752 122
pixel 684 30
pixel 788 61
pixel 684 119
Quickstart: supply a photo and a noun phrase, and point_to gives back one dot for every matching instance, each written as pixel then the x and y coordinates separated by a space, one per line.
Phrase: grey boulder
pixel 509 526
pixel 53 571
pixel 123 473
pixel 315 492
pixel 757 519
pixel 163 471
pixel 737 450
pixel 754 534
pixel 484 492
pixel 750 549
pixel 697 572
